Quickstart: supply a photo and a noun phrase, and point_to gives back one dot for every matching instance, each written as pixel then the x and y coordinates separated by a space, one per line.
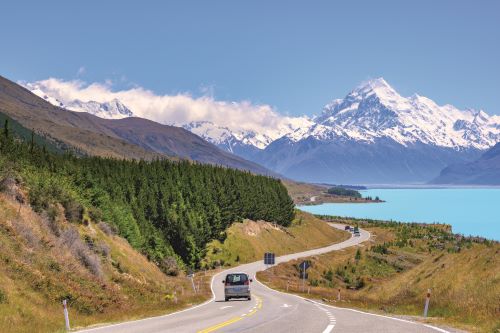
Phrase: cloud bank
pixel 170 109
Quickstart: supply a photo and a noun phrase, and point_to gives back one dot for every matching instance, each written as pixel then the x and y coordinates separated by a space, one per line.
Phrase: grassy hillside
pixel 393 271
pixel 164 209
pixel 249 240
pixel 46 259
pixel 130 138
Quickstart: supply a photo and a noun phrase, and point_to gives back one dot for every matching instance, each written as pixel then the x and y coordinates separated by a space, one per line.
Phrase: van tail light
pixel 247 283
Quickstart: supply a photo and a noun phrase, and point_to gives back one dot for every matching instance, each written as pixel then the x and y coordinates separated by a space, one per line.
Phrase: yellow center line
pixel 232 320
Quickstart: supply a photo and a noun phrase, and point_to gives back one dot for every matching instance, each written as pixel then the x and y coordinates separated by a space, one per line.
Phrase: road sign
pixel 269 258
pixel 304 265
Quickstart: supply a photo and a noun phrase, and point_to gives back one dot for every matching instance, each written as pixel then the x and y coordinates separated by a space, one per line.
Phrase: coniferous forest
pixel 163 208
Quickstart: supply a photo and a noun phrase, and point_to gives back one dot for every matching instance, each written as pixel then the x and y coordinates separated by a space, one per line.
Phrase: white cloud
pixel 171 109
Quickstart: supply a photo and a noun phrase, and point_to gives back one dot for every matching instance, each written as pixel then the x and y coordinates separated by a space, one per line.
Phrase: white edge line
pixel 104 325
pixel 328 329
pixel 353 310
pixel 213 294
pixel 161 316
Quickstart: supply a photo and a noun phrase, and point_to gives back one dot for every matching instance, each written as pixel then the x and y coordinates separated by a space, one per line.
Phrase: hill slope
pixel 129 138
pixel 483 171
pixel 46 259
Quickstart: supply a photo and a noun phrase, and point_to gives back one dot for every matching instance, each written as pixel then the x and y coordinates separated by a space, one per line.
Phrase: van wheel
pixel 227 299
pixel 249 298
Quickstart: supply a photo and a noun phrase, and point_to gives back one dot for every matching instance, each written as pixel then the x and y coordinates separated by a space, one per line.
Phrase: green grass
pixel 248 241
pixel 399 265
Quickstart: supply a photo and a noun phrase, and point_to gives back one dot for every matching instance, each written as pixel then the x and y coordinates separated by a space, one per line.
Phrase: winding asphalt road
pixel 269 310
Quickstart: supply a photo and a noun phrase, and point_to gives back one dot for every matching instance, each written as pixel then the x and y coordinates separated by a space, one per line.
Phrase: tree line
pixel 163 208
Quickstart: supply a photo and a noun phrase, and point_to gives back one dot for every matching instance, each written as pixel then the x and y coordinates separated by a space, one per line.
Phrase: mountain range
pixel 372 135
pixel 483 171
pixel 130 137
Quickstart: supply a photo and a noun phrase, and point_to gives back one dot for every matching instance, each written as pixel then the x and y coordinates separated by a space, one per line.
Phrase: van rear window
pixel 236 279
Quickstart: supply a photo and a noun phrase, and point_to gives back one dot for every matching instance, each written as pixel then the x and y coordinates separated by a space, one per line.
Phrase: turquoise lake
pixel 471 211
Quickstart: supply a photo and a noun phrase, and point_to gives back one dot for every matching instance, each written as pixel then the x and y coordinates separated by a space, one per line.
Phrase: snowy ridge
pixel 375 110
pixel 113 109
pixel 372 111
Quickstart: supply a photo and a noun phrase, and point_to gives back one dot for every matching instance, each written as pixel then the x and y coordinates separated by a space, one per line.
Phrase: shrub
pixel 3 297
pixel 169 266
pixel 107 229
pixel 71 238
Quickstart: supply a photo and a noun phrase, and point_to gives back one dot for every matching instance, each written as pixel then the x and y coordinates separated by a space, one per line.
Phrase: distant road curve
pixel 270 310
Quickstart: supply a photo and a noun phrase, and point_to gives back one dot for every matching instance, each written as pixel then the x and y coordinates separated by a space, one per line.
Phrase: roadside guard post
pixel 427 300
pixel 66 315
pixel 191 276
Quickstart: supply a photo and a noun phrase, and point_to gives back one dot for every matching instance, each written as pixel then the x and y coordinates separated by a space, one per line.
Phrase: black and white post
pixel 427 300
pixel 66 315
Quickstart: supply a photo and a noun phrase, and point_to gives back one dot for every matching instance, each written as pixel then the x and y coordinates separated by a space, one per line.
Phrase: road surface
pixel 269 310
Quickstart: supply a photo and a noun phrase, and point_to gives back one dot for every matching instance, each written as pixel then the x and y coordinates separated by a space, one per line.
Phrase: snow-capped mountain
pixel 375 135
pixel 372 135
pixel 113 109
pixel 375 110
pixel 242 141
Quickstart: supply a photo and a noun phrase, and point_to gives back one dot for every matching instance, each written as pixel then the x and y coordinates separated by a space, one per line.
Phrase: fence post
pixel 66 315
pixel 427 299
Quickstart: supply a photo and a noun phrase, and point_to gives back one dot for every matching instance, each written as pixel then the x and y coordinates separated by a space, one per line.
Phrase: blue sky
pixel 293 55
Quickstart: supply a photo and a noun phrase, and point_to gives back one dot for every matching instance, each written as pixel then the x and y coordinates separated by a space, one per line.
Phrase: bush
pixel 3 297
pixel 107 229
pixel 73 211
pixel 169 266
pixel 71 238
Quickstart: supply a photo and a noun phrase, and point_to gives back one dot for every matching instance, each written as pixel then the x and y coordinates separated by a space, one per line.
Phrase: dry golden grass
pixel 37 272
pixel 248 241
pixel 465 285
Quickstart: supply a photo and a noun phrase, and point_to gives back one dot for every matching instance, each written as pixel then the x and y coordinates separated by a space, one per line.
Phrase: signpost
pixel 303 272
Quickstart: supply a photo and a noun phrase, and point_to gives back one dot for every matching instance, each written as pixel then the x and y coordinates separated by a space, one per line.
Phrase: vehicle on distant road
pixel 347 227
pixel 237 285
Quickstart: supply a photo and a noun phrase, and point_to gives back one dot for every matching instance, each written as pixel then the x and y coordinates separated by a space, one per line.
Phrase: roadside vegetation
pixel 113 237
pixel 392 272
pixel 164 209
pixel 249 240
pixel 45 259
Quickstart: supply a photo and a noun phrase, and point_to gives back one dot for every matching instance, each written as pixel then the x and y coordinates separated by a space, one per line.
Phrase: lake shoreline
pixel 470 211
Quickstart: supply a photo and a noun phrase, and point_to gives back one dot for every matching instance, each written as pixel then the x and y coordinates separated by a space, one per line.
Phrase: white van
pixel 237 285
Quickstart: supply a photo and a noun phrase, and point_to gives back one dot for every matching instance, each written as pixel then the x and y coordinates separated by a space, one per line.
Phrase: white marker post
pixel 338 296
pixel 427 299
pixel 192 282
pixel 66 315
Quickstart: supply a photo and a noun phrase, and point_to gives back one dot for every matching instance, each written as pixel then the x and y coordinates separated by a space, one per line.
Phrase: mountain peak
pixel 377 86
